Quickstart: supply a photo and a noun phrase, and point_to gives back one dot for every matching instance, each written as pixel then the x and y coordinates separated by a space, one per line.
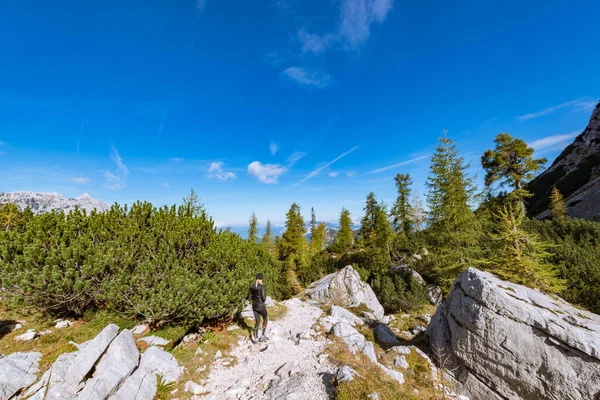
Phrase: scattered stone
pixel 418 329
pixel 200 369
pixel 328 322
pixel 17 371
pixel 247 311
pixel 194 388
pixel 354 339
pixel 401 349
pixel 218 355
pixel 269 302
pixel 306 334
pixel 347 289
pixel 345 374
pixel 189 338
pixel 27 336
pixel 386 319
pixel 154 341
pixel 396 375
pixel 373 396
pixel 140 329
pixel 14 327
pixel 434 294
pixel 294 387
pixel 401 362
pixel 340 313
pixel 46 332
pixel 508 341
pixel 385 336
pixel 61 324
pixel 233 328
pixel 425 318
pixel 199 351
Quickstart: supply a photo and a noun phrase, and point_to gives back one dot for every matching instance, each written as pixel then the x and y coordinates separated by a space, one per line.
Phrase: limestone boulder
pixel 17 371
pixel 354 339
pixel 345 374
pixel 385 336
pixel 507 341
pixel 346 289
pixel 341 313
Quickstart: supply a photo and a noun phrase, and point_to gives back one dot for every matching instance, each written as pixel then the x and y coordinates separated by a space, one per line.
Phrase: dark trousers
pixel 257 315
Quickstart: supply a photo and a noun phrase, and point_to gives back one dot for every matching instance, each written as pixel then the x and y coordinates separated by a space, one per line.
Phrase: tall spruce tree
pixel 253 229
pixel 293 245
pixel 382 230
pixel 267 240
pixel 367 224
pixel 512 164
pixel 317 233
pixel 557 204
pixel 345 237
pixel 402 212
pixel 451 229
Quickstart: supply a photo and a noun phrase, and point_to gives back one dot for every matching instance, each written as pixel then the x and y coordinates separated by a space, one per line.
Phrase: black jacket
pixel 258 296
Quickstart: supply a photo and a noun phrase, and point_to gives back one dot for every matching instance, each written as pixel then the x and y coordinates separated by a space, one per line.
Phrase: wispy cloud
pixel 215 171
pixel 116 158
pixel 316 171
pixel 294 158
pixel 351 174
pixel 266 173
pixel 305 77
pixel 578 105
pixel 80 180
pixel 117 180
pixel 113 182
pixel 166 185
pixel 354 28
pixel 553 142
pixel 383 169
pixel 176 159
pixel 334 174
pixel 200 4
pixel 273 148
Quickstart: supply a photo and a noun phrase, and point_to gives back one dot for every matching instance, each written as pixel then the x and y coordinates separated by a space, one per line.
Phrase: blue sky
pixel 260 104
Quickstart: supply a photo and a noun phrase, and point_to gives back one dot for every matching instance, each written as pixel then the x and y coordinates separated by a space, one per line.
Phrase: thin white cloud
pixel 354 29
pixel 200 4
pixel 351 174
pixel 216 171
pixel 316 171
pixel 306 77
pixel 166 185
pixel 266 173
pixel 294 158
pixel 273 148
pixel 578 105
pixel 379 170
pixel 333 174
pixel 176 159
pixel 551 142
pixel 116 158
pixel 80 180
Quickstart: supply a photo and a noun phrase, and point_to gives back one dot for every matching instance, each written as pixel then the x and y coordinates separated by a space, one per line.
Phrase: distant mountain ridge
pixel 576 173
pixel 42 202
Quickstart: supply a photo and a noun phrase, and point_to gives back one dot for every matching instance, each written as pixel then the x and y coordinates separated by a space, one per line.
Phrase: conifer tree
pixel 293 245
pixel 402 212
pixel 520 256
pixel 451 221
pixel 317 233
pixel 253 229
pixel 10 216
pixel 267 240
pixel 418 214
pixel 511 163
pixel 193 205
pixel 344 238
pixel 382 230
pixel 367 224
pixel 557 204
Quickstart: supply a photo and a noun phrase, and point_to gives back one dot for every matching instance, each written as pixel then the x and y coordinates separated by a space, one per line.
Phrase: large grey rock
pixel 346 289
pixel 141 385
pixel 354 339
pixel 385 336
pixel 17 371
pixel 434 294
pixel 154 341
pixel 345 374
pixel 293 388
pixel 507 341
pixel 340 313
pixel 27 336
pixel 114 367
pixel 395 375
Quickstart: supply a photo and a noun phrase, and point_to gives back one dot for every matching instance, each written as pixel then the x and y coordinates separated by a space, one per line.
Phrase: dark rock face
pixel 576 173
pixel 507 341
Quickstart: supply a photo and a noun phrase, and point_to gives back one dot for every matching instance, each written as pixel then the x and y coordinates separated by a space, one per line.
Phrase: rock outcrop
pixel 40 202
pixel 576 173
pixel 106 367
pixel 346 289
pixel 507 341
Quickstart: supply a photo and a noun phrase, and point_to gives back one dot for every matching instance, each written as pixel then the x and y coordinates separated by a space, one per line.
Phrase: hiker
pixel 258 297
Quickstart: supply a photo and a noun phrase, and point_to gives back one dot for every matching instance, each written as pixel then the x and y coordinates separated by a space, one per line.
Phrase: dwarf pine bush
pixel 157 263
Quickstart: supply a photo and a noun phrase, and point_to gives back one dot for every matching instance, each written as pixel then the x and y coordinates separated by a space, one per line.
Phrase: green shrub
pixel 157 263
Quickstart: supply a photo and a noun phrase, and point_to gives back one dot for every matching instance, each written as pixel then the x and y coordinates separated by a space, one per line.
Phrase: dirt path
pixel 291 368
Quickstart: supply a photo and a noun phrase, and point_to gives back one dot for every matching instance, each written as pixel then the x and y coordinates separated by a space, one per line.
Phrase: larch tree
pixel 418 215
pixel 293 245
pixel 402 212
pixel 511 163
pixel 193 206
pixel 367 223
pixel 345 237
pixel 557 204
pixel 253 229
pixel 317 233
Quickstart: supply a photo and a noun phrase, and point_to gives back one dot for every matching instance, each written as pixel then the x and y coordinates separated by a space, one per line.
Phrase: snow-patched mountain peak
pixel 41 202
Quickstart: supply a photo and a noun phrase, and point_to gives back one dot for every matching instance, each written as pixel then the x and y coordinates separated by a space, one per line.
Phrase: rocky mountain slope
pixel 576 173
pixel 40 202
